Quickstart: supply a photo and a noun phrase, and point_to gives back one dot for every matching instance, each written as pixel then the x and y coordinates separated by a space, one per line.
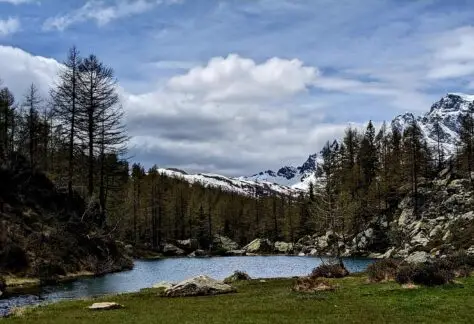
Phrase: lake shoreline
pixel 354 301
pixel 16 284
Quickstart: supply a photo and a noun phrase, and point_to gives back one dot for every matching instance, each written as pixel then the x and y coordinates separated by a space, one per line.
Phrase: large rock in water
pixel 188 245
pixel 172 250
pixel 224 243
pixel 283 247
pixel 259 246
pixel 199 286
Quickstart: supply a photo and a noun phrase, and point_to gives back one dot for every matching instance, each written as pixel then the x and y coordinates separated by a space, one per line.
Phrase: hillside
pixel 44 234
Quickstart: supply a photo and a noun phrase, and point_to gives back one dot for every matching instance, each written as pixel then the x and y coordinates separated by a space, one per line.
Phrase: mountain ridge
pixel 292 180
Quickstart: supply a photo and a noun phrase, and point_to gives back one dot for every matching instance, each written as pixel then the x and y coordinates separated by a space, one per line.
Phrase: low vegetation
pixel 337 270
pixel 383 270
pixel 431 273
pixel 354 301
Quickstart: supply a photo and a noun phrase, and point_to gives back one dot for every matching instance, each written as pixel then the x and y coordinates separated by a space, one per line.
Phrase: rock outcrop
pixel 283 248
pixel 199 286
pixel 172 250
pixel 259 246
pixel 223 243
pixel 443 224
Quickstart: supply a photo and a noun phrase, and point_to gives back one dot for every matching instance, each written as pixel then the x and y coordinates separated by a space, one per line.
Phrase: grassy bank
pixel 354 301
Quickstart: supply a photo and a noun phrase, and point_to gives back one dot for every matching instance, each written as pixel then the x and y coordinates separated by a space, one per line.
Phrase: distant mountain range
pixel 295 179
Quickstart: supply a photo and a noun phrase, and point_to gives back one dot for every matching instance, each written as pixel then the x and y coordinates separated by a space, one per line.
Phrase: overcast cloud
pixel 236 87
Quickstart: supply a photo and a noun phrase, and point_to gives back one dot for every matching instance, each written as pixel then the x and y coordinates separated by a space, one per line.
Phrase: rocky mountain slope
pixel 444 224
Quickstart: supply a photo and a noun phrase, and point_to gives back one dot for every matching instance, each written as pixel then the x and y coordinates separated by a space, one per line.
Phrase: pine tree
pixel 65 107
pixel 32 123
pixel 7 122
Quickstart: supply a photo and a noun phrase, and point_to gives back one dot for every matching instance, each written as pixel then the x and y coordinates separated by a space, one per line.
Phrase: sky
pixel 235 87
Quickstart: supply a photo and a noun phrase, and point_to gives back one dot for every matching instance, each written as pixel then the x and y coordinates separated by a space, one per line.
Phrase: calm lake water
pixel 147 273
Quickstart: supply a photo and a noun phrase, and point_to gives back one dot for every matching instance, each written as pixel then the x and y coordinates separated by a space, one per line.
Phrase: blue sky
pixel 236 86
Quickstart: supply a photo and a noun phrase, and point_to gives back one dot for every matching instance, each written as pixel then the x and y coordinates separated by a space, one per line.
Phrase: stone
pixel 199 286
pixel 313 252
pixel 468 216
pixel 105 306
pixel 187 245
pixel 470 251
pixel 305 240
pixel 447 235
pixel 162 285
pixel 417 257
pixel 224 243
pixel 375 256
pixel 237 276
pixel 404 216
pixel 259 246
pixel 419 239
pixel 197 253
pixel 388 253
pixel 301 254
pixel 172 250
pixel 283 247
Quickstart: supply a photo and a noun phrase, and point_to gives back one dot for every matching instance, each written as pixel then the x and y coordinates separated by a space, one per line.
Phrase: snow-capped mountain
pixel 240 186
pixel 447 112
pixel 293 180
pixel 297 178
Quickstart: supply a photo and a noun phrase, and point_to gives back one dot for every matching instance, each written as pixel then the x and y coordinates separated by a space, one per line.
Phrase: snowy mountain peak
pixel 452 103
pixel 296 177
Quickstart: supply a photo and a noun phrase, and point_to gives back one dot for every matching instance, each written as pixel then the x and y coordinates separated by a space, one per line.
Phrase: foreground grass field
pixel 355 301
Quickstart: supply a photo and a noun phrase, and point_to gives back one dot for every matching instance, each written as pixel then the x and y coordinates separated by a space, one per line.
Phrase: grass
pixel 355 301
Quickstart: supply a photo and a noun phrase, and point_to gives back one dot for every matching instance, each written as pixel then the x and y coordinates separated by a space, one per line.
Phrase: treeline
pixel 166 208
pixel 76 135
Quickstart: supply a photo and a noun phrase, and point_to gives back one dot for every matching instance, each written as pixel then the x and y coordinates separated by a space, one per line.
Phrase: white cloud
pixel 18 69
pixel 453 54
pixel 9 26
pixel 234 78
pixel 102 13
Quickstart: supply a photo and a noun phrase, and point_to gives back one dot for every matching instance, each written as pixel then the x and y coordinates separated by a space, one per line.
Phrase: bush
pixel 330 271
pixel 428 274
pixel 461 264
pixel 383 270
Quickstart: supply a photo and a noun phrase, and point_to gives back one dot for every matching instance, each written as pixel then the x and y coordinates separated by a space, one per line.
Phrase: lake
pixel 147 273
